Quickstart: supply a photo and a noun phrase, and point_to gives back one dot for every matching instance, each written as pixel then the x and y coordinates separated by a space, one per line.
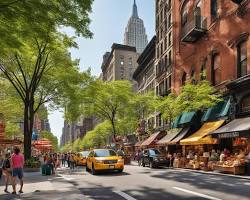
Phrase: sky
pixel 109 19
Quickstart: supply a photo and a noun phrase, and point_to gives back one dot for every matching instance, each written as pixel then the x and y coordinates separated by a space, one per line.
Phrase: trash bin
pixel 46 170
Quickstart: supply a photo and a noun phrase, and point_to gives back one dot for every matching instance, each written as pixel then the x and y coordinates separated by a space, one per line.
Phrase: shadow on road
pixel 217 183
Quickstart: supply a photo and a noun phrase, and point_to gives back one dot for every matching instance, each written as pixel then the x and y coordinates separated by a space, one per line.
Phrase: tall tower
pixel 135 33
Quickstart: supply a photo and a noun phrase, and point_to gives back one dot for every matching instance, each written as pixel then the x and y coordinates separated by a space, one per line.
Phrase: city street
pixel 134 183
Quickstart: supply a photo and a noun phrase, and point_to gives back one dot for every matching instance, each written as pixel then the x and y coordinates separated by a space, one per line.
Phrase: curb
pixel 213 173
pixel 203 172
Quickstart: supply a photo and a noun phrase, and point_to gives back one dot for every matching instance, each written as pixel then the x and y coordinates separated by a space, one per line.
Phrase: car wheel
pixel 143 164
pixel 151 165
pixel 120 170
pixel 93 171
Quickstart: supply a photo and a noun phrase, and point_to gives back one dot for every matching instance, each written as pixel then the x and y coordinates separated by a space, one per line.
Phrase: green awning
pixel 186 118
pixel 176 122
pixel 221 109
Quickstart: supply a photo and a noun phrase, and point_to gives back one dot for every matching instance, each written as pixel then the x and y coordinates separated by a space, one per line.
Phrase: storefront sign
pixel 229 135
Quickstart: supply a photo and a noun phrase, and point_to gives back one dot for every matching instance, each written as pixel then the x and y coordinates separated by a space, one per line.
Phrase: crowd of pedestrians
pixel 11 168
pixel 56 160
pixel 12 163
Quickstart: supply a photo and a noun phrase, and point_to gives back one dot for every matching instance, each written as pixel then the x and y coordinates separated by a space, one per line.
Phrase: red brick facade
pixel 223 29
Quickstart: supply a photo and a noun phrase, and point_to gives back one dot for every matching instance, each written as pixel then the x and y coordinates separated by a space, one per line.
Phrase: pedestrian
pixel 6 167
pixel 72 162
pixel 68 160
pixel 17 163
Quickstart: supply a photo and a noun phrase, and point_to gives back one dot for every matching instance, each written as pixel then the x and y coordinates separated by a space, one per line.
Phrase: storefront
pixel 151 142
pixel 236 133
pixel 181 128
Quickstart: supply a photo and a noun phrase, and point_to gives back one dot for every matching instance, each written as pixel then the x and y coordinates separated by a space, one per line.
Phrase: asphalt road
pixel 135 183
pixel 153 184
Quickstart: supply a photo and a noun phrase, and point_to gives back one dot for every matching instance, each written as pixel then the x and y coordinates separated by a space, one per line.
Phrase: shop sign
pixel 229 135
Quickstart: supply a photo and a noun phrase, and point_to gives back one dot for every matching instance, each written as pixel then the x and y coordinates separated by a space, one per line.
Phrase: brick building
pixel 211 40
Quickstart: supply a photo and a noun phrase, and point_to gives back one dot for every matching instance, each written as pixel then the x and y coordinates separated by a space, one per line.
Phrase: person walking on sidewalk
pixel 17 163
pixel 6 167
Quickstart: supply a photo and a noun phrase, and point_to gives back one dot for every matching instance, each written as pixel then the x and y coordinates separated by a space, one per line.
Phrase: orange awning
pixel 201 136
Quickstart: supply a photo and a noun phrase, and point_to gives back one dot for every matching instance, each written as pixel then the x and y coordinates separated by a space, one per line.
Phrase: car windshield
pixel 154 152
pixel 85 153
pixel 104 153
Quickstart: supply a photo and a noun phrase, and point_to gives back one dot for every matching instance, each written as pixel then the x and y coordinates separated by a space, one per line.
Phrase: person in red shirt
pixel 17 163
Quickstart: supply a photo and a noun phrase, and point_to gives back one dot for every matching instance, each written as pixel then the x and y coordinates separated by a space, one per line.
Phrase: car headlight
pixel 120 161
pixel 99 161
pixel 156 159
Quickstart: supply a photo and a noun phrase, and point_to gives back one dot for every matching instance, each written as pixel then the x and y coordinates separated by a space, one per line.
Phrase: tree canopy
pixel 21 20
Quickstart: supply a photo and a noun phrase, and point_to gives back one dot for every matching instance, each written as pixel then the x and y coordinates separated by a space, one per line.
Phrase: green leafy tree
pixel 34 54
pixel 200 96
pixel 50 137
pixel 21 19
pixel 97 137
pixel 107 101
pixel 193 97
pixel 169 107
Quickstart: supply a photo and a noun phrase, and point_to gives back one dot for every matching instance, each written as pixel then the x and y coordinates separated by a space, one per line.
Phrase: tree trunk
pixel 114 129
pixel 28 127
pixel 27 134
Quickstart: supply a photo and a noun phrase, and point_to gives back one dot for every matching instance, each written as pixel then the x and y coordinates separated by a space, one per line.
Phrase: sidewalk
pixel 38 187
pixel 246 177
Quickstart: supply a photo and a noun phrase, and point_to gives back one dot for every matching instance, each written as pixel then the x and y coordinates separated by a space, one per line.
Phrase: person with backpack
pixel 17 163
pixel 6 167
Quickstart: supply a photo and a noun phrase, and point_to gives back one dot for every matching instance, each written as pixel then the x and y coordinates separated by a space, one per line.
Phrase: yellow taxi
pixel 104 160
pixel 83 158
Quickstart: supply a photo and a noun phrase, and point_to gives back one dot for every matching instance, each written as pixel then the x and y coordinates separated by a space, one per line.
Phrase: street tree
pixel 22 20
pixel 168 107
pixel 34 54
pixel 199 96
pixel 107 101
pixel 193 97
pixel 43 72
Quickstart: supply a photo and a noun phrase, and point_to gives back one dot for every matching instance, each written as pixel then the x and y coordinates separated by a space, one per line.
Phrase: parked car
pixel 153 158
pixel 104 160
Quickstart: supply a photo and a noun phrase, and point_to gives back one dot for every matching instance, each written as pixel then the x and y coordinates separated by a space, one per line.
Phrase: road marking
pixel 124 195
pixel 197 194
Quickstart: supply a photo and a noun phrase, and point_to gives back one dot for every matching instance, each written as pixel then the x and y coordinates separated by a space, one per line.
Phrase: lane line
pixel 197 193
pixel 124 195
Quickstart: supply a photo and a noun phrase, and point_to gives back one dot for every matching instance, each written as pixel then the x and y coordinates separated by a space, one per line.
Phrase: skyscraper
pixel 135 33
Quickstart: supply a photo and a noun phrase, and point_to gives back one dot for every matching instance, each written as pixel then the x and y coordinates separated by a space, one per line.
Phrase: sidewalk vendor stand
pixel 238 133
pixel 197 146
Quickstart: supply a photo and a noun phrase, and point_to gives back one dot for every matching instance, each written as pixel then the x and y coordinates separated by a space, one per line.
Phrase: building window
pixel 215 69
pixel 184 15
pixel 169 20
pixel 183 78
pixel 203 73
pixel 169 39
pixel 169 58
pixel 214 9
pixel 193 81
pixel 121 60
pixel 242 59
pixel 130 61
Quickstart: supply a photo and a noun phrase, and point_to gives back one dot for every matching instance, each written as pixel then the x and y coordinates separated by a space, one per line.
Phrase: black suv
pixel 153 158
